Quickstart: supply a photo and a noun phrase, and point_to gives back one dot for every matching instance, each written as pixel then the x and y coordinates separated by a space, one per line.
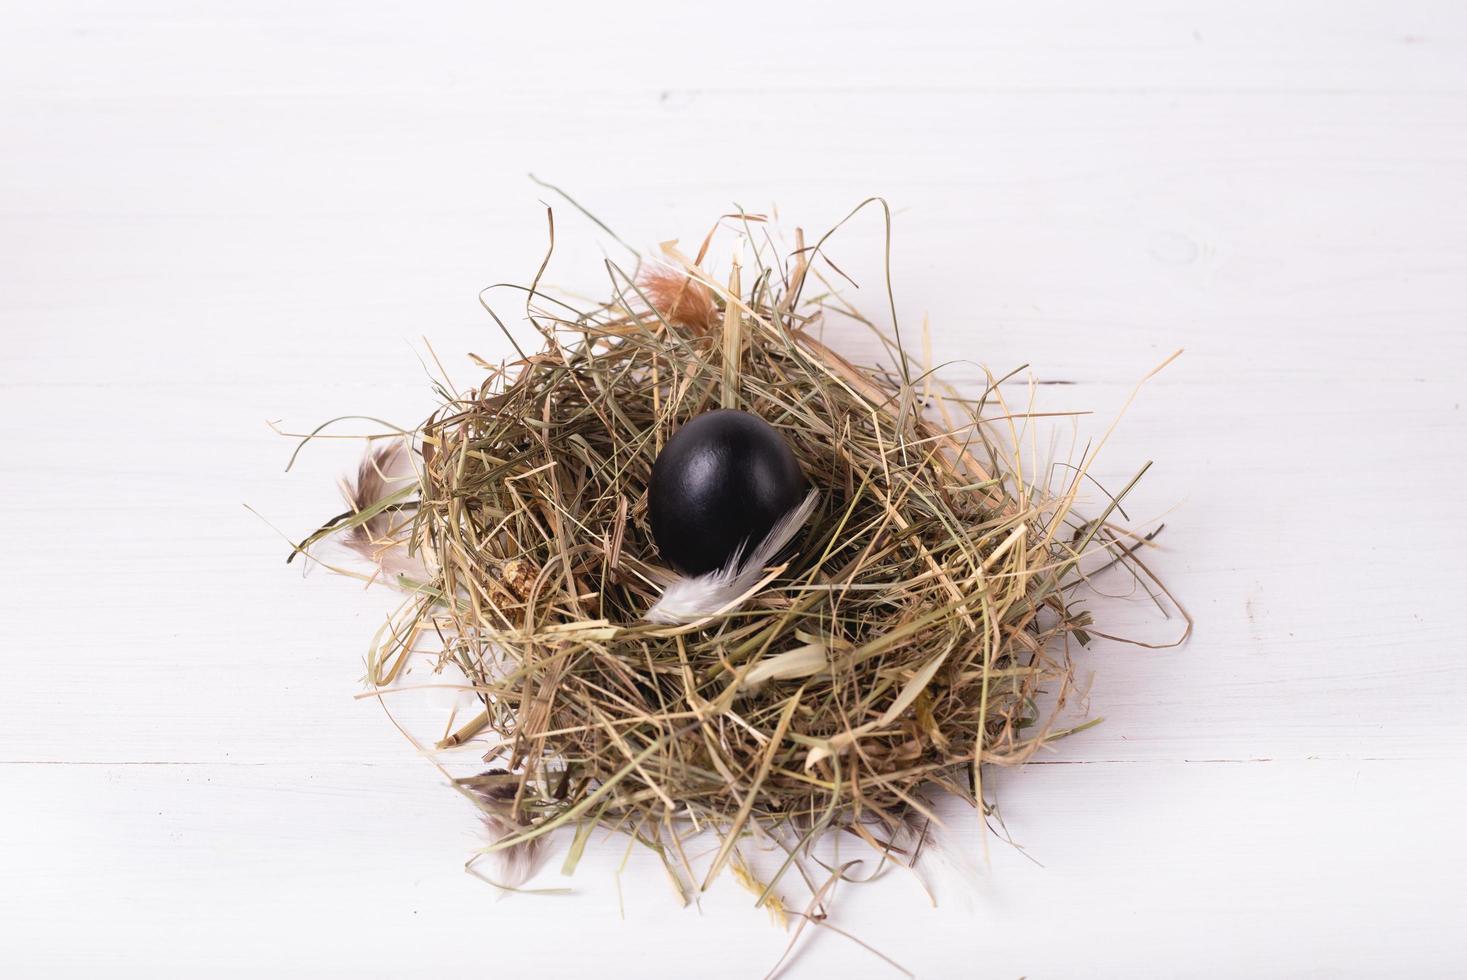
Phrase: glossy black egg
pixel 723 479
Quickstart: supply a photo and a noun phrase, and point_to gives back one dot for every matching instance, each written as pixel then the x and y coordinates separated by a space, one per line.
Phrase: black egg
pixel 723 479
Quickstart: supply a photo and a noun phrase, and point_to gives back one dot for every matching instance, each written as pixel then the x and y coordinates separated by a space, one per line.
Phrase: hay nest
pixel 902 645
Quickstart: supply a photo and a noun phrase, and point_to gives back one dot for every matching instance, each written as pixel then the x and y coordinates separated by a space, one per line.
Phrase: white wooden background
pixel 215 214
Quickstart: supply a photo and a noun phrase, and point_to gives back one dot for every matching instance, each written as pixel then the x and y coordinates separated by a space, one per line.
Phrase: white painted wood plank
pixel 214 215
pixel 1325 868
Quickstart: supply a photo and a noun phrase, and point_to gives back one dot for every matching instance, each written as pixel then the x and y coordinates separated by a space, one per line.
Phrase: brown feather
pixel 382 538
pixel 515 864
pixel 678 297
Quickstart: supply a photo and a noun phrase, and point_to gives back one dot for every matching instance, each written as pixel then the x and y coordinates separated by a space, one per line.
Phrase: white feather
pixel 687 599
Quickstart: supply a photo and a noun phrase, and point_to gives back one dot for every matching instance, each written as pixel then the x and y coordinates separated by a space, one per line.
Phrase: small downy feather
pixel 379 539
pixel 690 598
pixel 678 297
pixel 516 864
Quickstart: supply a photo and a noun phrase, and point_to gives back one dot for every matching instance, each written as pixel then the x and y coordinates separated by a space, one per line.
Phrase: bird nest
pixel 918 630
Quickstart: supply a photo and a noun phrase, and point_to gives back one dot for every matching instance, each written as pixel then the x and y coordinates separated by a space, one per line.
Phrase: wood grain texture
pixel 214 215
